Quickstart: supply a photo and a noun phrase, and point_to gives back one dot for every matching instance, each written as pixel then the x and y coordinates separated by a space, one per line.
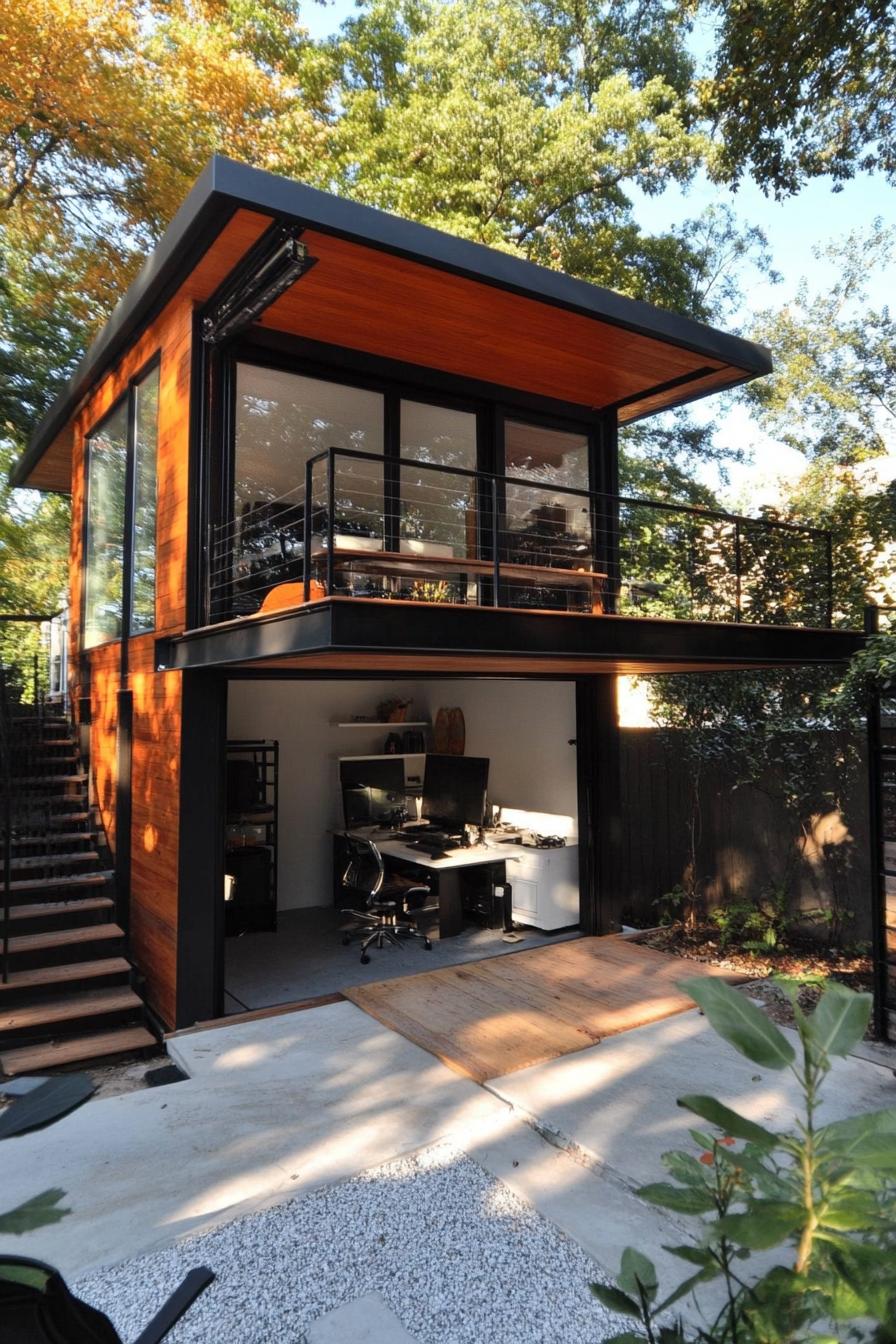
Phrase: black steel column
pixel 200 904
pixel 601 875
pixel 123 807
pixel 878 865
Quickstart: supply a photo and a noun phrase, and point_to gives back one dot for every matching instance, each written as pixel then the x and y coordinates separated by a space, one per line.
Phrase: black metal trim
pixel 123 806
pixel 200 907
pixel 668 386
pixel 224 186
pixel 346 626
pixel 269 269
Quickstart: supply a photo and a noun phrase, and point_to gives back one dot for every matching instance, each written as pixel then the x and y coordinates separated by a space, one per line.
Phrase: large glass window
pixel 117 464
pixel 146 434
pixel 542 520
pixel 438 508
pixel 281 420
pixel 107 453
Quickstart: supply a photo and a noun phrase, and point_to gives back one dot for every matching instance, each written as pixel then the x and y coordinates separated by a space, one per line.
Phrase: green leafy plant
pixel 822 1196
pixel 762 925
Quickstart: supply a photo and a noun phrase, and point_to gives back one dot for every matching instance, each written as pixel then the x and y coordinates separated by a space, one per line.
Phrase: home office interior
pixel 358 849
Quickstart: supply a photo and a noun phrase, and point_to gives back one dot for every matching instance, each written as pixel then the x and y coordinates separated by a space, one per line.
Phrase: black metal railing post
pixel 306 528
pixel 331 519
pixel 829 579
pixel 496 546
pixel 737 572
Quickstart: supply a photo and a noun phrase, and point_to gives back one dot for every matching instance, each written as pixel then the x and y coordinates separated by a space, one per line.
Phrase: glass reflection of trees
pixel 107 451
pixel 108 455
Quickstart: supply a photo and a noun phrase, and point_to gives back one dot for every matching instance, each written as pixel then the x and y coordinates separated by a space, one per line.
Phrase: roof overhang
pixel 400 289
pixel 363 636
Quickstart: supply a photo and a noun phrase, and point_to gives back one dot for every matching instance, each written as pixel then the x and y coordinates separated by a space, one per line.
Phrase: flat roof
pixel 225 186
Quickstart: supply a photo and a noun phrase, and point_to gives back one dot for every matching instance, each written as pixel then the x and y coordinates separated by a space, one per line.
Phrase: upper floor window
pixel 555 461
pixel 121 517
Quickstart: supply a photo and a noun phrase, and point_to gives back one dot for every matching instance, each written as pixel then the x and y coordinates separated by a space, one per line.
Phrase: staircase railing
pixel 28 676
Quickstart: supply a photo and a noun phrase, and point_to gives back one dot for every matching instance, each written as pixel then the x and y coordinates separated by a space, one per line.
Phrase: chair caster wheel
pixel 346 940
pixel 427 943
pixel 365 959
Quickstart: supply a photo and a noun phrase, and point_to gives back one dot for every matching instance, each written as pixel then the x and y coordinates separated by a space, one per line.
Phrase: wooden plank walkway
pixel 495 1016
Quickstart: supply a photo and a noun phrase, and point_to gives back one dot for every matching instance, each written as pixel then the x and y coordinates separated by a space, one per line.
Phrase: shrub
pixel 824 1195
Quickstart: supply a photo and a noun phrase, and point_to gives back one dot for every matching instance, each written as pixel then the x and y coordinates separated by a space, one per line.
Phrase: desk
pixel 448 871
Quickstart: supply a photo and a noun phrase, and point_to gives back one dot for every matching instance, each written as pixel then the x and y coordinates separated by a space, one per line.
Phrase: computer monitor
pixel 454 789
pixel 373 791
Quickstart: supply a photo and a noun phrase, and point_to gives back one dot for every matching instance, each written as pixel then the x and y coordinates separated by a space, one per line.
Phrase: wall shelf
pixel 385 756
pixel 389 727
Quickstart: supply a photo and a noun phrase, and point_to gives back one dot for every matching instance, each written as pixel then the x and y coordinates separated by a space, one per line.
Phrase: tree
pixel 801 90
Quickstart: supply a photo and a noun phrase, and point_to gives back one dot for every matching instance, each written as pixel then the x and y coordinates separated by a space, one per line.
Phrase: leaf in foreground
pixel 740 1022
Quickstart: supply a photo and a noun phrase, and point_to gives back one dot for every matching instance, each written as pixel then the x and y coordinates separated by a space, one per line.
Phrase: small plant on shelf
pixel 822 1196
pixel 392 711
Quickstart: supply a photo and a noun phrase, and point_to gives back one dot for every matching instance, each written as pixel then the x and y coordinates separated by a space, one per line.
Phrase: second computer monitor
pixel 454 789
pixel 373 790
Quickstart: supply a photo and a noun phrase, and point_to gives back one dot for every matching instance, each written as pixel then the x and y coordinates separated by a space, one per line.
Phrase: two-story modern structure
pixel 323 459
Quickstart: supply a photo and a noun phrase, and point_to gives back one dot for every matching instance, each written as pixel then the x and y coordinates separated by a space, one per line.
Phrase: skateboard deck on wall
pixel 449 732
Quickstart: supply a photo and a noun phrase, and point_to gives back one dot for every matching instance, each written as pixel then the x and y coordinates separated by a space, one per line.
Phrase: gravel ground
pixel 458 1257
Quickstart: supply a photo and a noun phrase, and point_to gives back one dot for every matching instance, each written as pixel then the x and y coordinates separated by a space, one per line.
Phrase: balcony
pixel 398 530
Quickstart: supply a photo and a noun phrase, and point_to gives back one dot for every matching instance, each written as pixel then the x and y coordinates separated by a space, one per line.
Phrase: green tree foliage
pixel 801 90
pixel 821 1196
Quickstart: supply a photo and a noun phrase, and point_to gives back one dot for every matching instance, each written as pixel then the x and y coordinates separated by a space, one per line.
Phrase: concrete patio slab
pixel 272 1108
pixel 614 1105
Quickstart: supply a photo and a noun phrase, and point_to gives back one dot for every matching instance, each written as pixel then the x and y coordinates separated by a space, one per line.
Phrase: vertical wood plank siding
pixel 155 833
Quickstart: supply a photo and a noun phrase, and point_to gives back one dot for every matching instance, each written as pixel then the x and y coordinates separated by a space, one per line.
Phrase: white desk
pixel 544 882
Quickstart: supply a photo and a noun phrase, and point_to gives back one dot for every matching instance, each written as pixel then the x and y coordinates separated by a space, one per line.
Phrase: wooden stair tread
pixel 85 933
pixel 45 909
pixel 90 1003
pixel 99 879
pixel 47 860
pixel 41 976
pixel 75 1049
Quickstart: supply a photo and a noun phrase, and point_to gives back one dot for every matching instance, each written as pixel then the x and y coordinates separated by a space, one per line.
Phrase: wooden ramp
pixel 495 1016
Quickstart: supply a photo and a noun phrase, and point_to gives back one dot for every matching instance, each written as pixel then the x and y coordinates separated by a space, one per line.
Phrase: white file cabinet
pixel 545 885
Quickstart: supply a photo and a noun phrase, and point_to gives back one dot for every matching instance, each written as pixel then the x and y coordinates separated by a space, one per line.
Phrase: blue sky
pixel 793 227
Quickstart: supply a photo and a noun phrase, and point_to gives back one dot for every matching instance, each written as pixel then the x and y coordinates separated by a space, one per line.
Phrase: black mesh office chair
pixel 38 1307
pixel 390 906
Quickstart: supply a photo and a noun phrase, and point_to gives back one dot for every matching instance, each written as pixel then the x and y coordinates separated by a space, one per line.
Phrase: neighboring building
pixel 434 424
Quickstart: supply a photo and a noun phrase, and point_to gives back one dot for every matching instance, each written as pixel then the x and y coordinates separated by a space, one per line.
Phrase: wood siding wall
pixel 745 839
pixel 156 750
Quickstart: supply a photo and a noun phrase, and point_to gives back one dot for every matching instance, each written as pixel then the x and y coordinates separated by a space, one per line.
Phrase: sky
pixel 793 228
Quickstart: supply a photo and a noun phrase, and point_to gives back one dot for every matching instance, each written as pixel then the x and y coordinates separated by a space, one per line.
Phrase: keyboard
pixel 435 848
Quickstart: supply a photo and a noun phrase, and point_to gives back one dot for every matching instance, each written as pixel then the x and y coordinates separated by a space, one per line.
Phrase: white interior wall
pixel 523 727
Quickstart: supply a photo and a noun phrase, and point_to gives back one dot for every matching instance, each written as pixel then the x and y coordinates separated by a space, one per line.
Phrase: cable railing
pixel 420 531
pixel 33 655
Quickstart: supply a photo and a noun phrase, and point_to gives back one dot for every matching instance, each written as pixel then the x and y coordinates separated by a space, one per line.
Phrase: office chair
pixel 38 1307
pixel 385 901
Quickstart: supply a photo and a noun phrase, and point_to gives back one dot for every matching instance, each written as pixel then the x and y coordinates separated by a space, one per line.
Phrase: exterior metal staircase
pixel 67 990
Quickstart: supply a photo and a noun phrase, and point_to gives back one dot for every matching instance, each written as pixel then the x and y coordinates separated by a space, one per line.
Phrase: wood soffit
pixel 390 288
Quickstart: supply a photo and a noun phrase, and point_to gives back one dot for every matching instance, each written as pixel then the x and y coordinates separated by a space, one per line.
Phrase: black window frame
pixel 214 427
pixel 127 397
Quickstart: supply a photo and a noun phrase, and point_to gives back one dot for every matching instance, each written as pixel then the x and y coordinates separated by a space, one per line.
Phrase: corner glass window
pixel 146 433
pixel 107 451
pixel 121 467
pixel 438 508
